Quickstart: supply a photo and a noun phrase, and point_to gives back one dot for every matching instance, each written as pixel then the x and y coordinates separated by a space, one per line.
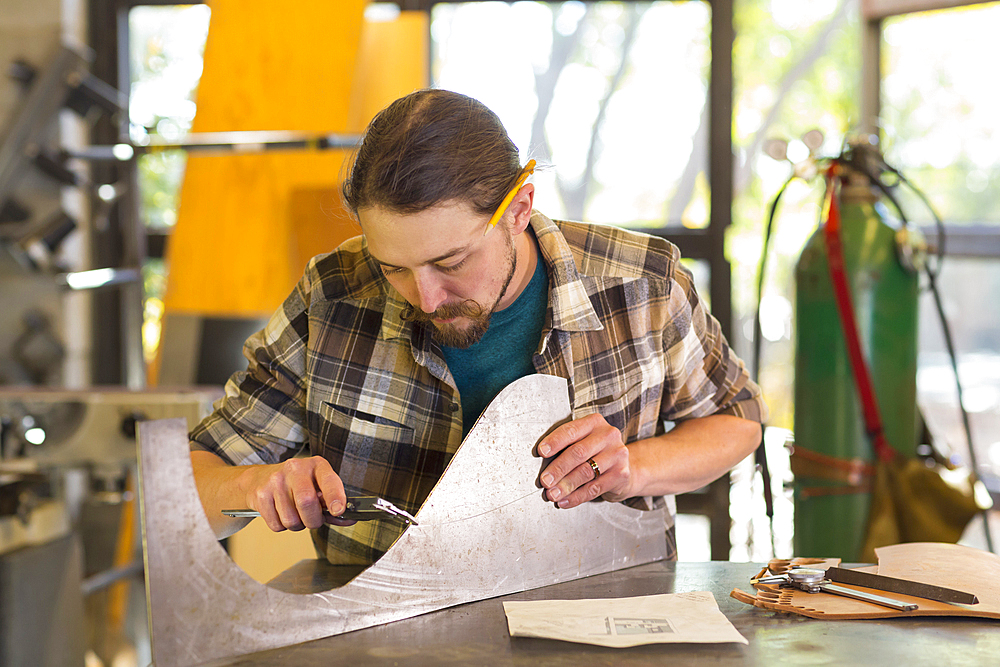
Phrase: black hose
pixel 760 454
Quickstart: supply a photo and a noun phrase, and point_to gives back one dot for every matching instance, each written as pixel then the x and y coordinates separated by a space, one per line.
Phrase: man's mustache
pixel 469 308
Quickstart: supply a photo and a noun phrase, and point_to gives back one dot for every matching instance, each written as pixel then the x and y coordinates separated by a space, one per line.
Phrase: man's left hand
pixel 570 479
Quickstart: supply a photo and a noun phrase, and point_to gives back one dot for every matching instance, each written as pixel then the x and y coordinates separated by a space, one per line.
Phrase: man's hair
pixel 431 147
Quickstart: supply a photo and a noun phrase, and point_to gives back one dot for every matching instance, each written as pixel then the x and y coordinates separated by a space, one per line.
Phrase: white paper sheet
pixel 621 622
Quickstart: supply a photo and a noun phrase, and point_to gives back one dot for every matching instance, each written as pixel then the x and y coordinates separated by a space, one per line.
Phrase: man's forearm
pixel 294 494
pixel 694 453
pixel 219 485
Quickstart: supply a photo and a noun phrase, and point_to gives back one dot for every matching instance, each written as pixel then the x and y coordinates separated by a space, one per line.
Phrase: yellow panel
pixel 393 61
pixel 322 222
pixel 267 67
pixel 278 66
pixel 248 224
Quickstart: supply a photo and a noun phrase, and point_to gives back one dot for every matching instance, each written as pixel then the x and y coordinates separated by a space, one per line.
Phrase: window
pixel 939 107
pixel 610 98
pixel 166 44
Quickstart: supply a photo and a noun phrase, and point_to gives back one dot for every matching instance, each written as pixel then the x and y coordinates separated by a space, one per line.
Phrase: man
pixel 390 347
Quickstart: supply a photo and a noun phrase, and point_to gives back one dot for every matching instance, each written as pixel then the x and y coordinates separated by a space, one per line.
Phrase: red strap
pixel 842 293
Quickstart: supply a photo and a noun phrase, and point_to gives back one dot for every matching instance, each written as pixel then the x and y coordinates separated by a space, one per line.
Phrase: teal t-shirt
pixel 505 351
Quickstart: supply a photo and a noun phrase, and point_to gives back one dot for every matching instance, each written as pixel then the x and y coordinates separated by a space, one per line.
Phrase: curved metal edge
pixel 203 607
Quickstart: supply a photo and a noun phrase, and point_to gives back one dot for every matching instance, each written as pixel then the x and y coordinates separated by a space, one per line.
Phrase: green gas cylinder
pixel 830 518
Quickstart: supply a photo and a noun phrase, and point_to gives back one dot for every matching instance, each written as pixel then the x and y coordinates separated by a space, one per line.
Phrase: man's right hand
pixel 292 495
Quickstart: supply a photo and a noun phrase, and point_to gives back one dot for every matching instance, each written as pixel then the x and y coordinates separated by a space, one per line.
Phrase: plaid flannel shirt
pixel 337 373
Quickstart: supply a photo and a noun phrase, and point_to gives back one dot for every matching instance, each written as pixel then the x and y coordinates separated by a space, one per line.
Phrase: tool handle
pixel 867 597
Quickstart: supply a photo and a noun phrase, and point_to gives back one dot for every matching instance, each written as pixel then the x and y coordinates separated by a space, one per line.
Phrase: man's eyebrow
pixel 434 260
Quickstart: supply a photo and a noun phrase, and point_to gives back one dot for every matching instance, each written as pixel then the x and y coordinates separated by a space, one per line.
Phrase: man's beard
pixel 450 336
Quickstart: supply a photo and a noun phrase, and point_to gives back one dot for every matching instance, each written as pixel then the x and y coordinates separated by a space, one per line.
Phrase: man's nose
pixel 430 292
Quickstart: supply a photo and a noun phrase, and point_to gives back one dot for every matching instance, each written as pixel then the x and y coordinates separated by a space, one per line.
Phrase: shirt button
pixel 453 407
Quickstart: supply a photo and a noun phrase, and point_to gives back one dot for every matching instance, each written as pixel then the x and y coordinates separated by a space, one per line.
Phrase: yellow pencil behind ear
pixel 528 170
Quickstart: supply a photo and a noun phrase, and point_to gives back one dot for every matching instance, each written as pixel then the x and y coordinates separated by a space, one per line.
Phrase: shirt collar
pixel 569 297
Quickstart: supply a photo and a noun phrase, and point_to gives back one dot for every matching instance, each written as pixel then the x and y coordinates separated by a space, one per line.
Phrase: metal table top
pixel 476 633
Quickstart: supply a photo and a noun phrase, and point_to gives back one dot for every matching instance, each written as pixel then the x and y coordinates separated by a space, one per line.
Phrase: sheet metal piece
pixel 484 531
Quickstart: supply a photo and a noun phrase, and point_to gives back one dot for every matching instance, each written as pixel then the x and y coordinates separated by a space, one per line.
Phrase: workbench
pixel 476 633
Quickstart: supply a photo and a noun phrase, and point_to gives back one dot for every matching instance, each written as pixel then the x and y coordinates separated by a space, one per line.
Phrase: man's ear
pixel 520 206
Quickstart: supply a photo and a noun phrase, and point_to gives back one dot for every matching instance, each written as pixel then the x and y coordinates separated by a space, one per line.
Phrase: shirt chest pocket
pixel 365 450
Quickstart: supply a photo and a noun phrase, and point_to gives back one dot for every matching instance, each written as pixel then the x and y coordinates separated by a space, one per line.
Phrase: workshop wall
pixel 29 30
pixel 44 336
